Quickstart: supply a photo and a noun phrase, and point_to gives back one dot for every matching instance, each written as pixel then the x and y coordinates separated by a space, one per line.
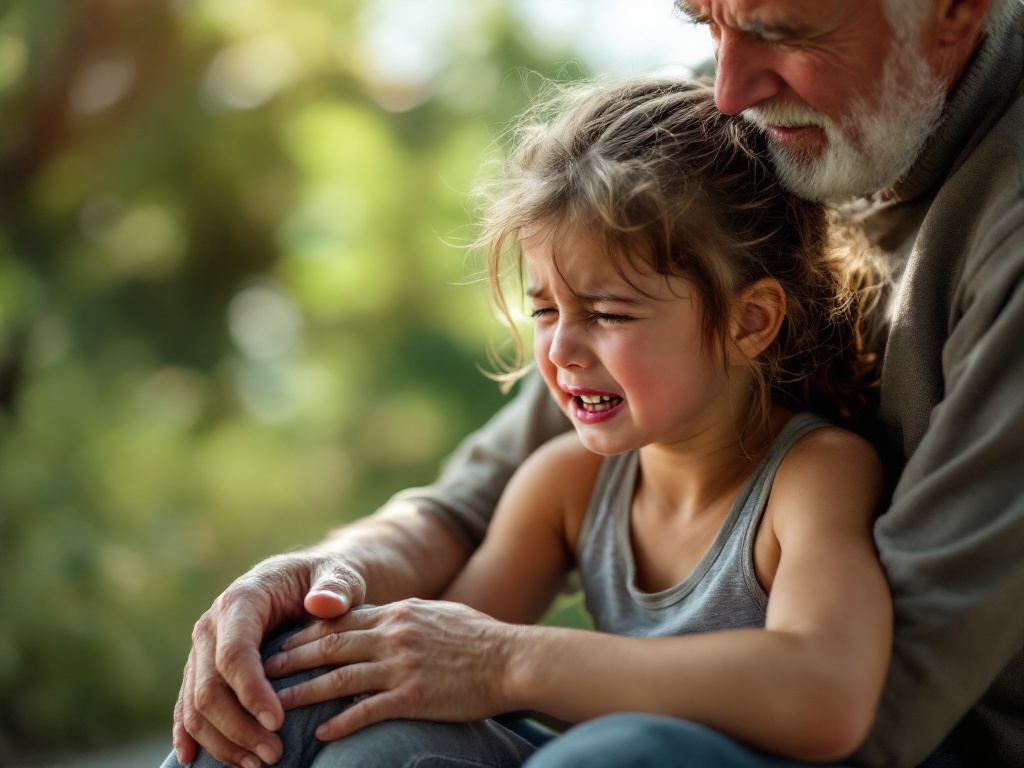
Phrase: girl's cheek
pixel 541 346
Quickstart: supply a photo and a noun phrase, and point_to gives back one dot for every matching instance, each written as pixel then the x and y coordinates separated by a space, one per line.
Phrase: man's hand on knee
pixel 226 705
pixel 413 659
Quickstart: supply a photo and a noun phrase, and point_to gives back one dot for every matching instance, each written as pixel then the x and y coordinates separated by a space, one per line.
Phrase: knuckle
pixel 406 635
pixel 406 609
pixel 242 591
pixel 397 613
pixel 340 677
pixel 203 627
pixel 336 569
pixel 331 644
pixel 415 689
pixel 252 587
pixel 229 656
pixel 339 582
pixel 206 696
pixel 191 720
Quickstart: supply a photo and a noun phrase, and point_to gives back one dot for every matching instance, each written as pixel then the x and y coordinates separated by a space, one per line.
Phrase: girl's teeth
pixel 598 403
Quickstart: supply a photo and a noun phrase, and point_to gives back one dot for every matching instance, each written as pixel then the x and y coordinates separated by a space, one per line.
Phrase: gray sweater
pixel 952 542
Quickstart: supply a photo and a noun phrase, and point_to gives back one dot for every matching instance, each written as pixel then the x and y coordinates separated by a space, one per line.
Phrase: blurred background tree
pixel 233 312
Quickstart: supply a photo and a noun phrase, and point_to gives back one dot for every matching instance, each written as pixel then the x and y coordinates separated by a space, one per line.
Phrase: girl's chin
pixel 602 444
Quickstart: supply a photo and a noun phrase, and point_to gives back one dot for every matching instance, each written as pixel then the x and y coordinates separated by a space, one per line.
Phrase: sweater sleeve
pixel 952 542
pixel 474 476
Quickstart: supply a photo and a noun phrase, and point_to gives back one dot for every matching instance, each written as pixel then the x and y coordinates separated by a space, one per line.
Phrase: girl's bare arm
pixel 805 686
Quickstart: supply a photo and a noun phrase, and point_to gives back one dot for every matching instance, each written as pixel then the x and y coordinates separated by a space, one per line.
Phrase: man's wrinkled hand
pixel 413 659
pixel 226 704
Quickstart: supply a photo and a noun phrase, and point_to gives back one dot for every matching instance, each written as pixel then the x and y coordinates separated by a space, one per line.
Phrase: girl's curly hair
pixel 674 186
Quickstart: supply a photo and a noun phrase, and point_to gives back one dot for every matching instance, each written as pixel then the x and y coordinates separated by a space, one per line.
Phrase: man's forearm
pixel 400 551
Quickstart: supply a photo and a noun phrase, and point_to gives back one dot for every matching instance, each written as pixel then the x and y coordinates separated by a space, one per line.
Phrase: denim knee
pixel 649 741
pixel 422 744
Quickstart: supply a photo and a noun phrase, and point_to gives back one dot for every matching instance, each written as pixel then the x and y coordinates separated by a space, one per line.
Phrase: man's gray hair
pixel 907 15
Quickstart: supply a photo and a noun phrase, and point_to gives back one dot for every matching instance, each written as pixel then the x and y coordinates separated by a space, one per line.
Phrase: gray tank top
pixel 721 593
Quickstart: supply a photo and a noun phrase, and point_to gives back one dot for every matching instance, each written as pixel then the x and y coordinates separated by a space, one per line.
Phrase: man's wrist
pixel 521 653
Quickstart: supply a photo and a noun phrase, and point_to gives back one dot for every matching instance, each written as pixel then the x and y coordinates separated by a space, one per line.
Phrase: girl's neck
pixel 687 479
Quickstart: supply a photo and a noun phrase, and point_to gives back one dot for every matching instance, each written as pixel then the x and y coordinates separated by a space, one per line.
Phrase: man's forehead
pixel 782 16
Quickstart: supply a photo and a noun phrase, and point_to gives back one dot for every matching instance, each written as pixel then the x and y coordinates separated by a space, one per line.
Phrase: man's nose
pixel 745 76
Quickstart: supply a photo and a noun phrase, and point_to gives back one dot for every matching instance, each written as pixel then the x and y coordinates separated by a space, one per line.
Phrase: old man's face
pixel 845 102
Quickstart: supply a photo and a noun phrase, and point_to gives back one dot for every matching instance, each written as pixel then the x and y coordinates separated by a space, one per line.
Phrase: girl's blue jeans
pixel 617 741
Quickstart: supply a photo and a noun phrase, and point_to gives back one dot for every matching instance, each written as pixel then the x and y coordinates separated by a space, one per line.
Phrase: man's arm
pixel 952 541
pixel 517 571
pixel 413 546
pixel 476 473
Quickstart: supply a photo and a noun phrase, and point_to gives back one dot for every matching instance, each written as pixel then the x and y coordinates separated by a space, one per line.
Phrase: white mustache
pixel 788 115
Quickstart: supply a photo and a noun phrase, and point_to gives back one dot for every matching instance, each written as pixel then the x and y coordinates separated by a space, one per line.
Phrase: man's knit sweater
pixel 952 542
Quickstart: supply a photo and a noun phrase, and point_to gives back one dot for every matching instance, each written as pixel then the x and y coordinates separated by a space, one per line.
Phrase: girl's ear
pixel 755 319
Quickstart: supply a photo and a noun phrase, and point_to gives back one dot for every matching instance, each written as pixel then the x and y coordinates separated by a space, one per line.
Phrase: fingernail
pixel 267 721
pixel 266 753
pixel 250 762
pixel 273 664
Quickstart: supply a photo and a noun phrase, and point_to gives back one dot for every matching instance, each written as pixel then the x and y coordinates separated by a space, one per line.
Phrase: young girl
pixel 694 322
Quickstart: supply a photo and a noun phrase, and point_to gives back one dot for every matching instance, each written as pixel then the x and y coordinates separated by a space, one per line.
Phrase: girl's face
pixel 627 363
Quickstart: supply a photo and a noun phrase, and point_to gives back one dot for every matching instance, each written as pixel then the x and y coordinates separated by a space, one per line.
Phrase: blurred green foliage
pixel 232 310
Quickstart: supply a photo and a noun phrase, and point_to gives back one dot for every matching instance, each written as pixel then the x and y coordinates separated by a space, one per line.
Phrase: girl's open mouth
pixel 596 403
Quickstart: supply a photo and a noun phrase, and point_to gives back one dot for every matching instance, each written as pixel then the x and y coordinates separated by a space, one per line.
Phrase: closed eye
pixel 604 317
pixel 536 313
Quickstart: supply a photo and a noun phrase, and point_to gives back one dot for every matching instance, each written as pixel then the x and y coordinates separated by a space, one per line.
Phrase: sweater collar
pixel 978 100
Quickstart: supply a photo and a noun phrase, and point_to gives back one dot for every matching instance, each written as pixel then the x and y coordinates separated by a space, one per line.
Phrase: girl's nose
pixel 568 349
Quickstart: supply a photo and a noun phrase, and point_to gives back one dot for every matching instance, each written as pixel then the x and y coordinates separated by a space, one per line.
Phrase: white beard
pixel 866 152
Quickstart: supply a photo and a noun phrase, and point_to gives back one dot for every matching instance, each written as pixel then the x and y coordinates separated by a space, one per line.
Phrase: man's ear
pixel 958 20
pixel 755 319
pixel 952 33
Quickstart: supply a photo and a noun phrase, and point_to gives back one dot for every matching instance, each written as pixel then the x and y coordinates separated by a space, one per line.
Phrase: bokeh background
pixel 235 309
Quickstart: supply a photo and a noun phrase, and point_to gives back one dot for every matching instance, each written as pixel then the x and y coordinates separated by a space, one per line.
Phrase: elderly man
pixel 913 110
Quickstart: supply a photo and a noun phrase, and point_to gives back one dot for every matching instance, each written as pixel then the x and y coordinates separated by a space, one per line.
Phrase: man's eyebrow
pixel 692 14
pixel 769 30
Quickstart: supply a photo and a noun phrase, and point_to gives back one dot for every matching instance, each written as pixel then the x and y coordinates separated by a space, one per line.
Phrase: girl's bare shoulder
pixel 559 476
pixel 830 467
pixel 564 463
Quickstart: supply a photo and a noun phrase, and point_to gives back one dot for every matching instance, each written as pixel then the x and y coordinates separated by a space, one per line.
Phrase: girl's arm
pixel 807 685
pixel 521 564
